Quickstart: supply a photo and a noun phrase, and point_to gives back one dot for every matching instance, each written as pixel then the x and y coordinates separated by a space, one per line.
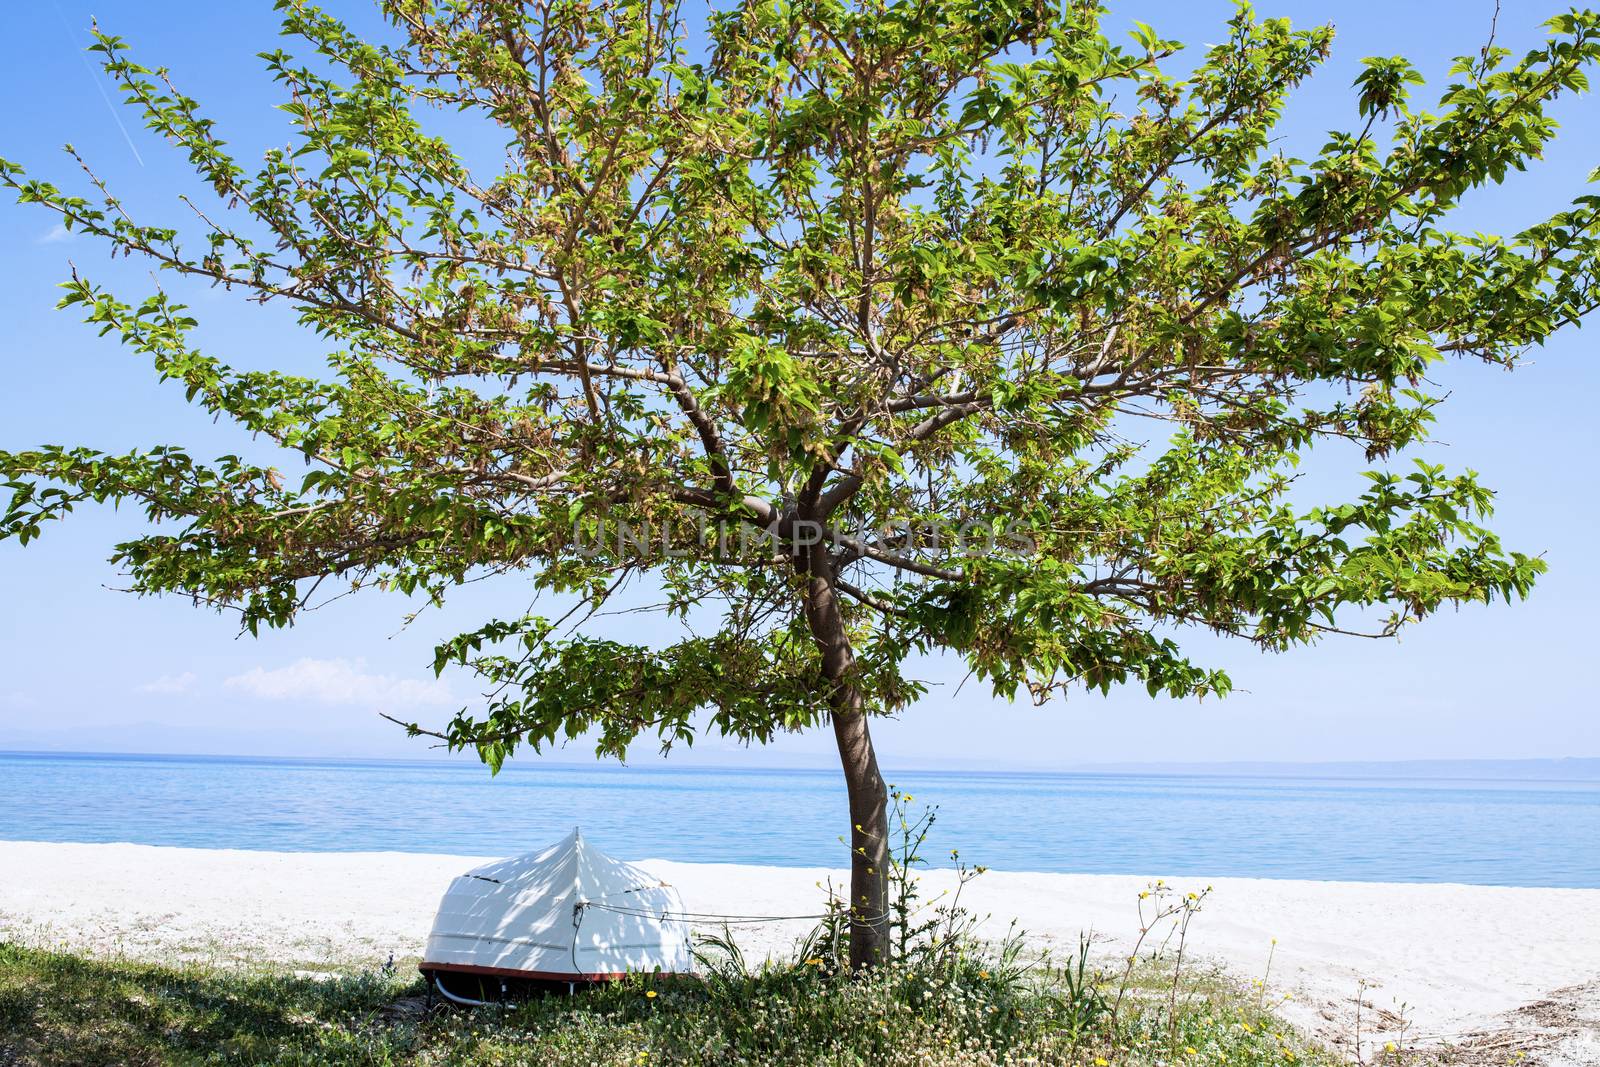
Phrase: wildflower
pixel 814 962
pixel 650 994
pixel 1191 1050
pixel 1388 1046
pixel 983 974
pixel 1101 1061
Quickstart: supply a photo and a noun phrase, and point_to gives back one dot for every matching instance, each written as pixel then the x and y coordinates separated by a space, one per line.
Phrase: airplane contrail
pixel 83 56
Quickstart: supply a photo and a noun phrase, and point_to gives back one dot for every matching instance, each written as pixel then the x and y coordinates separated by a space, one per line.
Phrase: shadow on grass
pixel 956 1010
pixel 62 1009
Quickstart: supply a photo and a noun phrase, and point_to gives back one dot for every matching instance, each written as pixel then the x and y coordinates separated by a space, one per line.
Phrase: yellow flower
pixel 1101 1061
pixel 1388 1046
pixel 1190 1049
pixel 814 962
pixel 651 994
pixel 983 974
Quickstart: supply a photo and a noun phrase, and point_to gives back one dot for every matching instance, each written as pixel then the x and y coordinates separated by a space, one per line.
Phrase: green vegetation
pixel 947 997
pixel 954 327
pixel 62 1009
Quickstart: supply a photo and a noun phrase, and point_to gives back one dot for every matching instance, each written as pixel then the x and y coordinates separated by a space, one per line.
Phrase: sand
pixel 1485 967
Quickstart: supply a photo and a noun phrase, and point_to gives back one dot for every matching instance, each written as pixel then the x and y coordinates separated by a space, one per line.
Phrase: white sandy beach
pixel 1469 963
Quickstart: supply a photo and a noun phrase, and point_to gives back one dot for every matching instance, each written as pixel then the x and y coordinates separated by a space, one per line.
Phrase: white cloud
pixel 171 683
pixel 341 681
pixel 57 234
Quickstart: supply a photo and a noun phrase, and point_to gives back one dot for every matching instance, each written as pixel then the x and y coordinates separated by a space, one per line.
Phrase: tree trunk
pixel 869 800
pixel 869 841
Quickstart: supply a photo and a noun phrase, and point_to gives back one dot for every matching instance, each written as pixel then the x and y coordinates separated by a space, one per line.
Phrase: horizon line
pixel 1153 767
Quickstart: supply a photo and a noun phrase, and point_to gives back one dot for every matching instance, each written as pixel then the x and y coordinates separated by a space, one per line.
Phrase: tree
pixel 831 320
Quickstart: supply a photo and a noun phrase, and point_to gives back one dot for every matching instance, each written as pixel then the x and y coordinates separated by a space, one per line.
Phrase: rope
pixel 711 916
pixel 577 921
pixel 464 1001
pixel 685 916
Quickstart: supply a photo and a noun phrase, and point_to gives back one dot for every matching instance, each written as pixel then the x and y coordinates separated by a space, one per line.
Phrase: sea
pixel 1491 831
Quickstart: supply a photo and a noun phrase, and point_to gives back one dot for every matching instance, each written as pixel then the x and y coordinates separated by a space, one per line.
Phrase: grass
pixel 947 999
pixel 63 1009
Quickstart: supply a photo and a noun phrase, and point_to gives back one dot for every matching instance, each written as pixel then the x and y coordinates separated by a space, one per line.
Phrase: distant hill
pixel 1566 769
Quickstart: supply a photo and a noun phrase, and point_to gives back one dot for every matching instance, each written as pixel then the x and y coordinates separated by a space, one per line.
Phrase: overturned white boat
pixel 566 914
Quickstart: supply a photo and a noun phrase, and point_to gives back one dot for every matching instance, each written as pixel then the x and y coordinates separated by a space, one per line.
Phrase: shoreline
pixel 1170 878
pixel 1465 960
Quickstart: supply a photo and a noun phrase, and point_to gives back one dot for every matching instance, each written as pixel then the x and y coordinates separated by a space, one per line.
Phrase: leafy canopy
pixel 855 273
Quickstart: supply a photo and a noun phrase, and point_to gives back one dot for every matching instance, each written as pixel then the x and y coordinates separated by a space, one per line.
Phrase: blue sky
pixel 85 667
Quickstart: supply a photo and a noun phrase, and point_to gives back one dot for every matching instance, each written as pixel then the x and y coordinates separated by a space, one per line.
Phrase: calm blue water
pixel 1488 832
